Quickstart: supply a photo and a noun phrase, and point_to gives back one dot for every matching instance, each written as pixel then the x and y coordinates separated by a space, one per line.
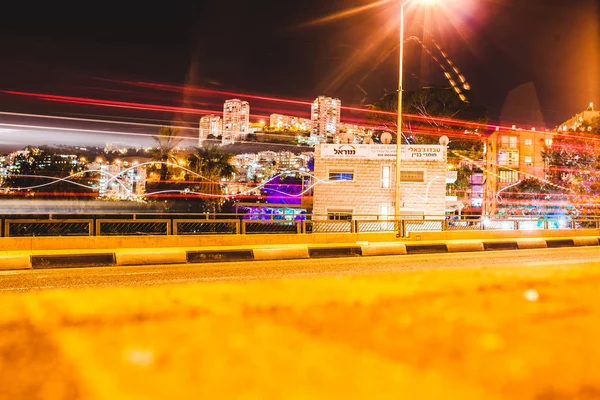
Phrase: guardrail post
pixel 243 227
pixel 545 224
pixel 6 228
pixel 298 227
pixel 354 226
pixel 516 225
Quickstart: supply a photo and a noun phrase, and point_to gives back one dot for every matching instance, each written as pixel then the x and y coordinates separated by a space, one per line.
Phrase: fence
pixel 245 224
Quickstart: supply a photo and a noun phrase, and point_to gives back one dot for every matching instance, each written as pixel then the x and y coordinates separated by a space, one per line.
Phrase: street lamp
pixel 398 196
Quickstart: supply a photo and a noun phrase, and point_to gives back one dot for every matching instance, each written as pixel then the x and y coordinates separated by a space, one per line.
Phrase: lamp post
pixel 398 196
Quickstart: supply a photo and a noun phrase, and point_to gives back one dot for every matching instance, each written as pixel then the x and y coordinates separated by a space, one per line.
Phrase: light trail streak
pixel 187 110
pixel 204 180
pixel 53 128
pixel 346 13
pixel 104 121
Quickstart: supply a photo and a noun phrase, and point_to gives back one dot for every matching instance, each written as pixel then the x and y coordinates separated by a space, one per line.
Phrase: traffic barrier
pixel 153 257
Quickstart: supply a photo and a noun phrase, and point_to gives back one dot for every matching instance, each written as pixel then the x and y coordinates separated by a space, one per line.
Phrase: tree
pixel 213 165
pixel 167 140
pixel 573 162
pixel 428 113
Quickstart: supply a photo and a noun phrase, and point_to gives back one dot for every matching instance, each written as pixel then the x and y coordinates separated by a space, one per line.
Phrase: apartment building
pixel 210 125
pixel 236 119
pixel 325 117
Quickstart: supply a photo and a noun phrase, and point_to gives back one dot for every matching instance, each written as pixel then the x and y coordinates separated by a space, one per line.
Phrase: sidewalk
pixel 41 259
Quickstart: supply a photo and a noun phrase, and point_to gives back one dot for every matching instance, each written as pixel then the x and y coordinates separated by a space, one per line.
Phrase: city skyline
pixel 497 47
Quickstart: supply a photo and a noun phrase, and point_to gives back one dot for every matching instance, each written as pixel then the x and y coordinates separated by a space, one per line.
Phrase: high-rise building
pixel 236 118
pixel 325 116
pixel 210 125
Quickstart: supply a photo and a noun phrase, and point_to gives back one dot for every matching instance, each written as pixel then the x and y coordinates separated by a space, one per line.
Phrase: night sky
pixel 271 48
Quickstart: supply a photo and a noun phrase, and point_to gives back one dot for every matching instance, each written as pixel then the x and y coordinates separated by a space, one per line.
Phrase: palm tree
pixel 166 141
pixel 213 165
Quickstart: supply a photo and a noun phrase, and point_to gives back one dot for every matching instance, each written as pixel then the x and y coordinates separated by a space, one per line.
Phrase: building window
pixel 508 176
pixel 548 142
pixel 341 176
pixel 508 157
pixel 528 160
pixel 508 141
pixel 385 176
pixel 339 215
pixel 412 176
pixel 528 142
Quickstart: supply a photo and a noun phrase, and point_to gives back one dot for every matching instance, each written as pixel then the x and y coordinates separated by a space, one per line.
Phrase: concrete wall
pixel 123 242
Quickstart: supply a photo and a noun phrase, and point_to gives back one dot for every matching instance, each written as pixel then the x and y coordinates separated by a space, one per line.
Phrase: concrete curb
pixel 525 244
pixel 460 246
pixel 144 257
pixel 15 262
pixel 383 249
pixel 585 241
pixel 281 254
pixel 71 259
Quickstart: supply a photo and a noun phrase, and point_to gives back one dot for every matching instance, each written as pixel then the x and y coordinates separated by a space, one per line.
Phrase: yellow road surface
pixel 502 333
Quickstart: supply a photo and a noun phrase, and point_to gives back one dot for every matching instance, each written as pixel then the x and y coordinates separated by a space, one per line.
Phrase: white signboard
pixel 417 152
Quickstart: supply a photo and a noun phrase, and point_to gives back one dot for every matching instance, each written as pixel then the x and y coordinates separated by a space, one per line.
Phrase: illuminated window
pixel 513 142
pixel 385 177
pixel 528 160
pixel 528 142
pixel 341 176
pixel 548 142
pixel 508 176
pixel 412 176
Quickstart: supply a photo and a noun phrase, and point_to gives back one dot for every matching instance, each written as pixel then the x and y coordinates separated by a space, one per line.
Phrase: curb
pixel 362 249
pixel 159 257
pixel 8 263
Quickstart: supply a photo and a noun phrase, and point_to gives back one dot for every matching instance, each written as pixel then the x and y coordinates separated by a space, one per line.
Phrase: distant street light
pixel 398 197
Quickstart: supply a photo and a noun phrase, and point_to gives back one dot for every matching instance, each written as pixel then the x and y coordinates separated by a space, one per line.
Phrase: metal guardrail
pixel 55 227
pixel 121 227
pixel 205 227
pixel 271 226
pixel 234 224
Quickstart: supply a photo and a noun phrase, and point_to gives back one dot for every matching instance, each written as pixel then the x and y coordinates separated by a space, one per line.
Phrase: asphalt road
pixel 241 271
pixel 486 325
